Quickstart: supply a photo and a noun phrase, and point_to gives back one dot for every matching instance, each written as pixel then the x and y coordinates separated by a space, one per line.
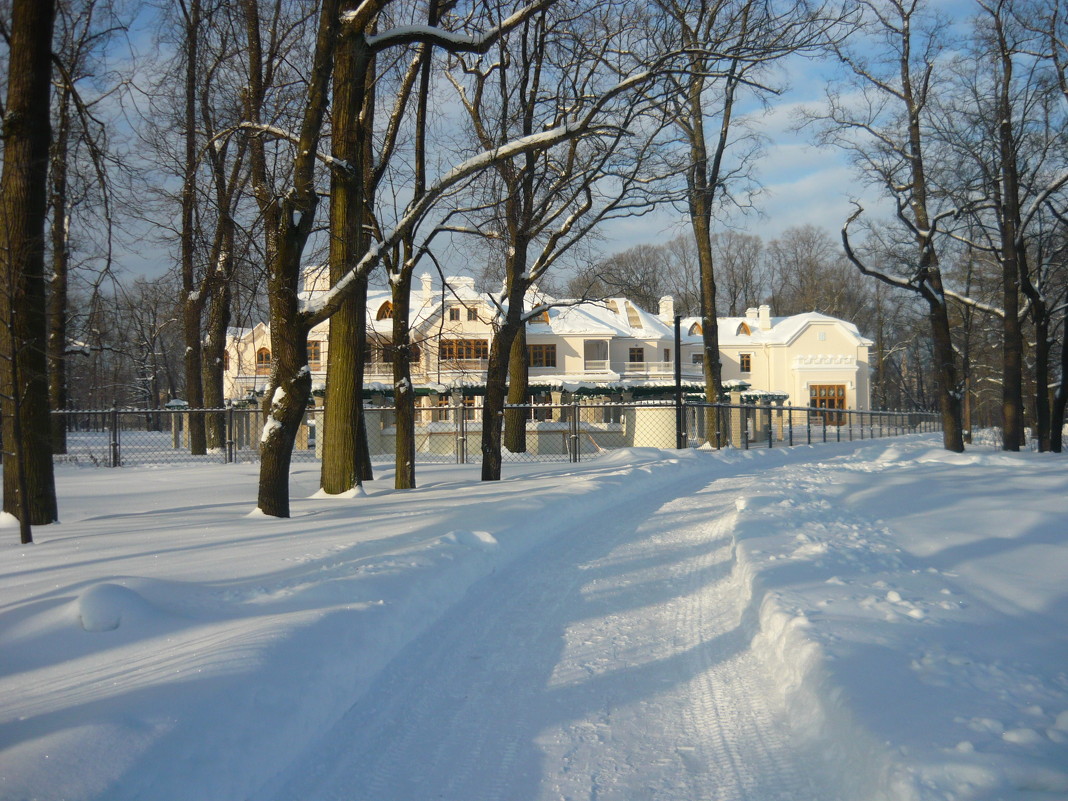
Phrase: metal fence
pixel 452 433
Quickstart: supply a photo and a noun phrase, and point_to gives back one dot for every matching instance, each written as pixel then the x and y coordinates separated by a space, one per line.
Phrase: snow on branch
pixel 340 165
pixel 449 40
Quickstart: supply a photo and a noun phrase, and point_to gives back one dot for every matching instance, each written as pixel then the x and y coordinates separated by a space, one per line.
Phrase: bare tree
pixel 731 45
pixel 808 272
pixel 893 64
pixel 541 205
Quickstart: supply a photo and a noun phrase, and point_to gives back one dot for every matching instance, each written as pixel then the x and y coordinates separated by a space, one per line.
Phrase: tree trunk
pixel 515 420
pixel 499 358
pixel 946 375
pixel 212 363
pixel 192 300
pixel 57 297
pixel 1060 397
pixel 29 482
pixel 290 385
pixel 403 391
pixel 342 465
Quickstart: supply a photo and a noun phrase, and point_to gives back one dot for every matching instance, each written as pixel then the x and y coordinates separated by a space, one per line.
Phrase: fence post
pixel 824 416
pixel 575 430
pixel 461 433
pixel 114 423
pixel 230 434
pixel 808 426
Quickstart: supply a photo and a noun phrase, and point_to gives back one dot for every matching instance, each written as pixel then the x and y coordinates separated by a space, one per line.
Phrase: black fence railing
pixel 452 433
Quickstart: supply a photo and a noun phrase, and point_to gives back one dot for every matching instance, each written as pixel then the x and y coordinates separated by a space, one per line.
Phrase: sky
pixel 802 184
pixel 881 620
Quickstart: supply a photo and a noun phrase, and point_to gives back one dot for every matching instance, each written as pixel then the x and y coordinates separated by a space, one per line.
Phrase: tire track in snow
pixel 611 663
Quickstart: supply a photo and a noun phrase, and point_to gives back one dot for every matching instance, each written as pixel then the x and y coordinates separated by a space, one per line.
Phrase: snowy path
pixel 610 663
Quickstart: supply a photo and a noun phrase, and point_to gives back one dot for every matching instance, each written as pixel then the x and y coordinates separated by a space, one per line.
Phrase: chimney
pixel 426 281
pixel 751 314
pixel 667 309
pixel 765 317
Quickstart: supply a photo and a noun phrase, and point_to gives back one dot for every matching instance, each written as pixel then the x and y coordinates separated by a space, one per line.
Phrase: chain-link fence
pixel 452 433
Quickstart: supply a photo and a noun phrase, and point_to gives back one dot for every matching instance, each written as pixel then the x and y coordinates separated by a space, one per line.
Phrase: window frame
pixel 264 361
pixel 541 354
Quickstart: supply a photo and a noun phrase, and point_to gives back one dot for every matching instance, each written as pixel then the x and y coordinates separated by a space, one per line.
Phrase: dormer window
pixel 263 362
pixel 696 330
pixel 744 330
pixel 385 311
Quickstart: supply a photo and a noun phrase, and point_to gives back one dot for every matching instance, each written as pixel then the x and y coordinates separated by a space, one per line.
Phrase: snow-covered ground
pixel 876 620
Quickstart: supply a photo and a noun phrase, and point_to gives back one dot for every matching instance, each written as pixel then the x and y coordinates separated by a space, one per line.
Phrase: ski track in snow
pixel 610 663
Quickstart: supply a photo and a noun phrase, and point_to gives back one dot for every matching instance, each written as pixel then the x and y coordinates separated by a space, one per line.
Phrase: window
pixel 314 354
pixel 542 355
pixel 744 330
pixel 457 349
pixel 542 318
pixel 636 355
pixel 263 362
pixel 454 313
pixel 667 354
pixel 821 336
pixel 472 315
pixel 697 358
pixel 385 311
pixel 696 330
pixel 746 361
pixel 226 360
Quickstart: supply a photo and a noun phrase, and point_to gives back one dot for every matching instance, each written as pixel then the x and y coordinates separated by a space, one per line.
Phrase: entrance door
pixel 828 396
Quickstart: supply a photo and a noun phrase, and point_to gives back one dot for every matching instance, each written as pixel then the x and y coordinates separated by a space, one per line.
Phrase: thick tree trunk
pixel 192 300
pixel 515 420
pixel 29 482
pixel 496 389
pixel 343 466
pixel 290 385
pixel 949 401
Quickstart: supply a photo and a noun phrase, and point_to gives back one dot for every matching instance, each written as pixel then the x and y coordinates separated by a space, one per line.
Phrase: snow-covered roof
pixel 783 330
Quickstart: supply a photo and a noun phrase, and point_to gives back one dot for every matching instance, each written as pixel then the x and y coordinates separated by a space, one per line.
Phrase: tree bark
pixel 57 296
pixel 192 299
pixel 29 482
pixel 403 391
pixel 353 109
pixel 515 420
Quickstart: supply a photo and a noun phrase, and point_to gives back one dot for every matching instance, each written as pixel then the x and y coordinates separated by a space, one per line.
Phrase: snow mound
pixel 105 607
pixel 478 540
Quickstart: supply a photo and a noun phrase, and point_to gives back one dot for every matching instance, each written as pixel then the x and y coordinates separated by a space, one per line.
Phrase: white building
pixel 606 347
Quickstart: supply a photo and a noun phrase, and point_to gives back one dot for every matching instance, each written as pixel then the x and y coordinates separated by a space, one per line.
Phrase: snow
pixel 867 620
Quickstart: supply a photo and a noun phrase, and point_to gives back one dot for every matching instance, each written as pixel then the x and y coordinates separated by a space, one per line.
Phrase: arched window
pixel 744 330
pixel 385 311
pixel 263 362
pixel 696 330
